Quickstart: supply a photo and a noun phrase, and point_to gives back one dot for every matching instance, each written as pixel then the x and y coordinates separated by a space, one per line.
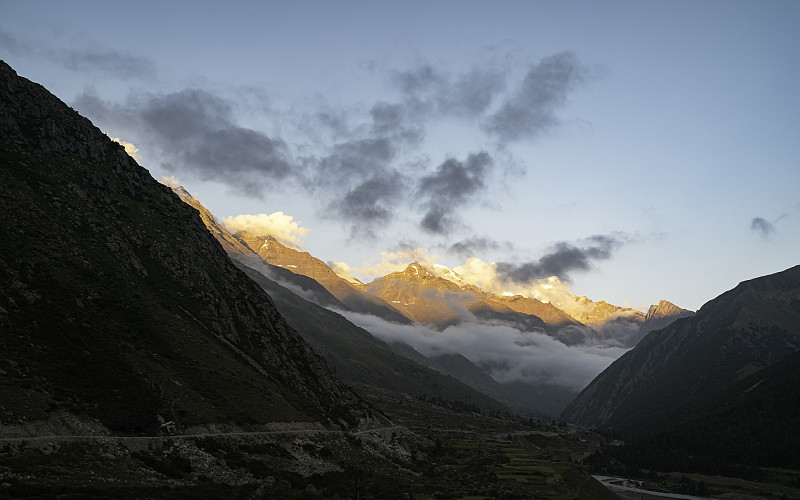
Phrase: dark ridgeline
pixel 721 386
pixel 116 304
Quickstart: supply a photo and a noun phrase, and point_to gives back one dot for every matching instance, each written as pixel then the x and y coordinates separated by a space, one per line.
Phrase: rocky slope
pixel 302 263
pixel 675 371
pixel 233 246
pixel 117 305
pixel 547 312
pixel 753 423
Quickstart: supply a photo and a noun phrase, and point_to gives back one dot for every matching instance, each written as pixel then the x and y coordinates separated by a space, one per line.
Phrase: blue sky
pixel 638 150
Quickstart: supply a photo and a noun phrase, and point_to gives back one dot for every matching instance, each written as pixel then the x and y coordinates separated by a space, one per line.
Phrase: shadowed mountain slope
pixel 754 423
pixel 677 370
pixel 358 358
pixel 117 305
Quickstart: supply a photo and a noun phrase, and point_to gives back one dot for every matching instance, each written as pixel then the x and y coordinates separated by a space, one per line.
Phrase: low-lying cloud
pixel 508 354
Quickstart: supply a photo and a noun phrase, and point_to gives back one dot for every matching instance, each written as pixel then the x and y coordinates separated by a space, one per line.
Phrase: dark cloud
pixel 530 110
pixel 350 162
pixel 427 90
pixel 391 121
pixel 563 258
pixel 472 93
pixel 449 187
pixel 475 246
pixel 195 132
pixel 334 121
pixel 419 81
pixel 358 163
pixel 369 204
pixel 13 45
pixel 98 61
pixel 107 62
pixel 762 227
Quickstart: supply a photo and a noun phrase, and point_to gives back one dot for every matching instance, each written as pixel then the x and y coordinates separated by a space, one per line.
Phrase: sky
pixel 637 151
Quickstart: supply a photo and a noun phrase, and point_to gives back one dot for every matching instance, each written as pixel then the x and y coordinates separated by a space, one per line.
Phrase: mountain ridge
pixel 123 307
pixel 349 294
pixel 674 370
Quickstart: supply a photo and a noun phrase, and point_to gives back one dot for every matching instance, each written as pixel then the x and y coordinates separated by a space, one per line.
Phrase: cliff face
pixel 673 372
pixel 118 303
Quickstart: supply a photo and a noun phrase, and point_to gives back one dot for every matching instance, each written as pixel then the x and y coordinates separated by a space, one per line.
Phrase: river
pixel 620 483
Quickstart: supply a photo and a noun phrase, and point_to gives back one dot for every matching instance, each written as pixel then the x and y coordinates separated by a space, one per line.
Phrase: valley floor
pixel 431 453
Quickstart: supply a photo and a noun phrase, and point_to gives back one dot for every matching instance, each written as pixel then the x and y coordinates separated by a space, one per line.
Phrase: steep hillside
pixel 355 354
pixel 360 359
pixel 752 424
pixel 118 306
pixel 233 246
pixel 677 370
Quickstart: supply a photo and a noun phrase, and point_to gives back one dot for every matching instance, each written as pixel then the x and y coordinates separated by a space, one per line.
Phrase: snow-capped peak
pixel 448 274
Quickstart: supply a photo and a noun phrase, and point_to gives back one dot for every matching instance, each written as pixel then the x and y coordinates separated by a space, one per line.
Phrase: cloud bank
pixel 195 131
pixel 506 353
pixel 280 226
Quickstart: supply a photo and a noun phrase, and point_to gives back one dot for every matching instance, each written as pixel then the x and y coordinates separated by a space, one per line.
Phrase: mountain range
pixel 437 298
pixel 128 312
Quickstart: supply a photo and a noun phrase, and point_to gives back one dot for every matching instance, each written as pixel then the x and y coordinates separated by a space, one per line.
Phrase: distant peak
pixel 448 274
pixel 663 309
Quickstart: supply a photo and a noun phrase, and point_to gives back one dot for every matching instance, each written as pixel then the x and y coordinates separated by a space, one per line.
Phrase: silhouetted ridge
pixel 676 371
pixel 118 305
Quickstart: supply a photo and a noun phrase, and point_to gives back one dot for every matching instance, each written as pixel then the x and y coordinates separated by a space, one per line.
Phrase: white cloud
pixel 343 270
pixel 169 181
pixel 552 289
pixel 132 150
pixel 280 226
pixel 392 262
